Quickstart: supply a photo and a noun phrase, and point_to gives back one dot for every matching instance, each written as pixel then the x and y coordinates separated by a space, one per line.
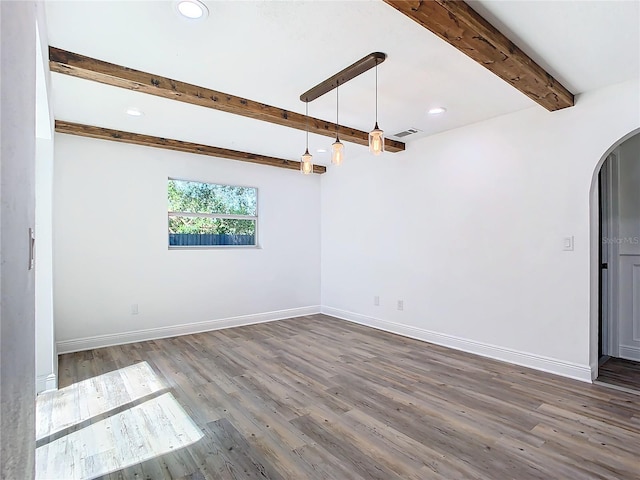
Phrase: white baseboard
pixel 630 353
pixel 99 341
pixel 537 362
pixel 46 382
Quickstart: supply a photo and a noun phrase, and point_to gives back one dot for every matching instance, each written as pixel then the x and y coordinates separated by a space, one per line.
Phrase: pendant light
pixel 337 148
pixel 306 165
pixel 376 136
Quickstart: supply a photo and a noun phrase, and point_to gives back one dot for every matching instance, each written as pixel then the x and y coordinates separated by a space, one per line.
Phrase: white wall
pixel 110 246
pixel 467 228
pixel 17 158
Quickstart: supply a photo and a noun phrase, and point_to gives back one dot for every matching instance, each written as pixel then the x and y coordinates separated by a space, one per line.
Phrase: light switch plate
pixel 567 244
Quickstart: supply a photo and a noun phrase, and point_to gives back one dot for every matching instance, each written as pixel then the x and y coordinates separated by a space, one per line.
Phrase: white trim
pixel 108 340
pixel 594 370
pixel 212 215
pixel 629 352
pixel 612 171
pixel 46 382
pixel 538 362
pixel 567 369
pixel 635 307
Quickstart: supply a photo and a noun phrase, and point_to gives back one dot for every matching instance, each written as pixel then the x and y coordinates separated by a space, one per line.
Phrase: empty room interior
pixel 292 240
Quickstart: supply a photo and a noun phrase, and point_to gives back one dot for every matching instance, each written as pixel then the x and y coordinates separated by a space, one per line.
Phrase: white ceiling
pixel 272 51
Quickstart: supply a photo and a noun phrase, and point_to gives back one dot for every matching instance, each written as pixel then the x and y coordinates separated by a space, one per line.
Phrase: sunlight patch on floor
pixel 148 430
pixel 95 396
pixel 107 423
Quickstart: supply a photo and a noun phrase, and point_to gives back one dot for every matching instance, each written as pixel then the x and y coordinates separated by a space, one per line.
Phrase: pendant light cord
pixel 337 110
pixel 306 112
pixel 376 92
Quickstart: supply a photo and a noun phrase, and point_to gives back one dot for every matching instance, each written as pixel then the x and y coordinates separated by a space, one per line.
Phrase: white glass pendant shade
pixel 376 140
pixel 337 152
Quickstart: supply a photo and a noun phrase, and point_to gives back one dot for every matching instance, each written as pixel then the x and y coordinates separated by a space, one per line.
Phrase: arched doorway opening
pixel 615 265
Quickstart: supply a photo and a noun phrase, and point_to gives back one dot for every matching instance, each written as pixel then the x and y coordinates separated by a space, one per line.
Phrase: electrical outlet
pixel 376 301
pixel 134 309
pixel 400 304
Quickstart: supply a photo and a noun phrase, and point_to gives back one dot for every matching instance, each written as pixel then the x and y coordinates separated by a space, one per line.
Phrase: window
pixel 210 215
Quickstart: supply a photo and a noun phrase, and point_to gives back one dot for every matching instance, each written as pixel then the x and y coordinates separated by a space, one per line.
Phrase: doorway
pixel 619 267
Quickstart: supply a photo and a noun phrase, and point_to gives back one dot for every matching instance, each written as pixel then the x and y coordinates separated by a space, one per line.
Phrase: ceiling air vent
pixel 405 133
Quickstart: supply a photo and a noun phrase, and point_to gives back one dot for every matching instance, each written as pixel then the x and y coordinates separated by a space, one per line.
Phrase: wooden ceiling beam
pixel 177 145
pixel 455 22
pixel 69 63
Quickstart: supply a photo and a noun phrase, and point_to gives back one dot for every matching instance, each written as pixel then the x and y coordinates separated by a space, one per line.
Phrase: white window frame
pixel 215 215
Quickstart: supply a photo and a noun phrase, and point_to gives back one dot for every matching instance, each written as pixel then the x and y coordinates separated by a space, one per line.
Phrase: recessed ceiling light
pixel 134 112
pixel 437 110
pixel 322 150
pixel 192 9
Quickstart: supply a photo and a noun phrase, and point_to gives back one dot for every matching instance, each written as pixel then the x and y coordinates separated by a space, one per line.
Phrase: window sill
pixel 214 247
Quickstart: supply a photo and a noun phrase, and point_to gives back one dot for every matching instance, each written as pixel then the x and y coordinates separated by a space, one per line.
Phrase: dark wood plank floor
pixel 320 398
pixel 620 373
